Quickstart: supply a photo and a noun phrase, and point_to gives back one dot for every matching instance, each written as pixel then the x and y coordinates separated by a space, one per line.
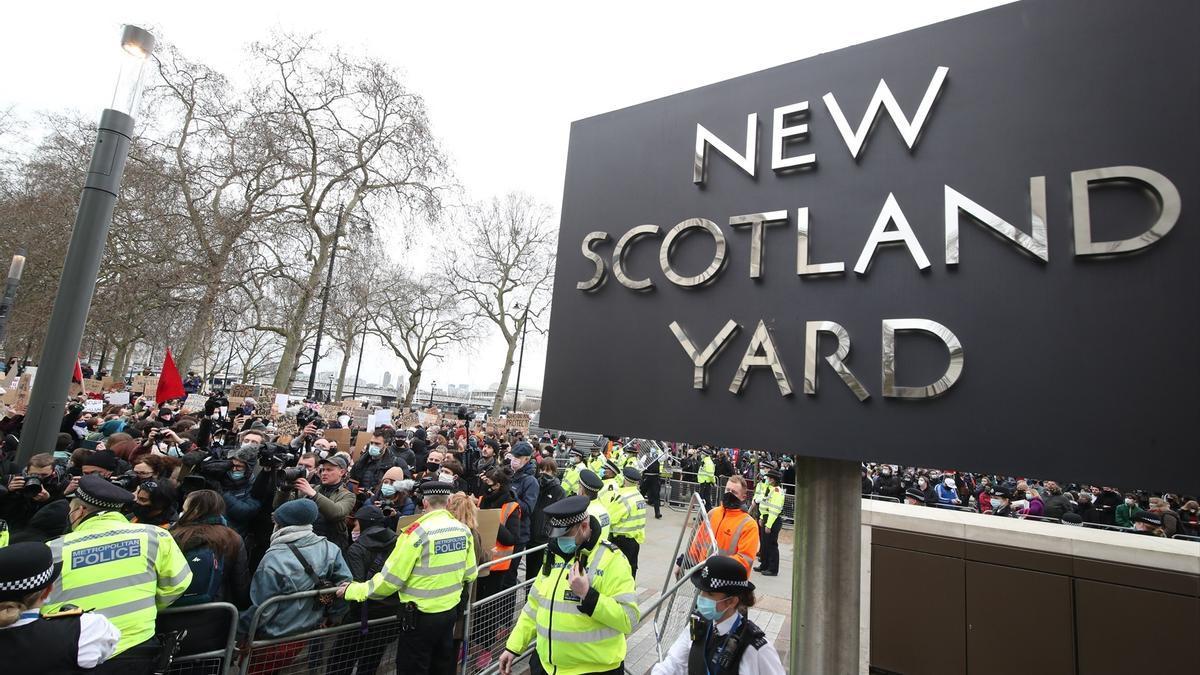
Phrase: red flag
pixel 78 376
pixel 170 385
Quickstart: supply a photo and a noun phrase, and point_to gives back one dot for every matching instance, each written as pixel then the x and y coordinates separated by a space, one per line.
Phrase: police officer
pixel 433 559
pixel 124 571
pixel 590 486
pixel 596 462
pixel 570 481
pixel 39 644
pixel 771 519
pixel 612 481
pixel 628 517
pixel 582 605
pixel 722 640
pixel 652 486
pixel 706 476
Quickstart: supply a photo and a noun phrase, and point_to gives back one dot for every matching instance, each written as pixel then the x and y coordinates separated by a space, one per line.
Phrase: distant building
pixel 387 379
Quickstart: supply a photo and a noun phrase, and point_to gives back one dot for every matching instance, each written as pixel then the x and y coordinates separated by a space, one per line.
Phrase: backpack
pixel 208 572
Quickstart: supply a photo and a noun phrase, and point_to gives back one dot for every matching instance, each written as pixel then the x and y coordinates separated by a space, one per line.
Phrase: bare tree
pixel 510 244
pixel 419 321
pixel 351 135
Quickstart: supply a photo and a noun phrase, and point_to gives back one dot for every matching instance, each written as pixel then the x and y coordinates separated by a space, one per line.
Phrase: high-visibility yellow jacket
pixel 570 481
pixel 432 560
pixel 580 635
pixel 3 534
pixel 771 506
pixel 609 492
pixel 707 472
pixel 760 490
pixel 597 509
pixel 597 464
pixel 124 571
pixel 628 513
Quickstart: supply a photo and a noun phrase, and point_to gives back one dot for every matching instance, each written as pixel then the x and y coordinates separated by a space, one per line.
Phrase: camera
pixel 306 416
pixel 33 486
pixel 127 480
pixel 215 469
pixel 292 474
pixel 276 456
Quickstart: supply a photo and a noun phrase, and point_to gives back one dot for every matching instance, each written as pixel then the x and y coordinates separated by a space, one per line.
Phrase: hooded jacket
pixel 525 487
pixel 365 558
pixel 280 573
pixel 368 470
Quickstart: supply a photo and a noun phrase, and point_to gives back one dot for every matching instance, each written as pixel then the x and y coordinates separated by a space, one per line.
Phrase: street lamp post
pixel 432 387
pixel 521 360
pixel 358 370
pixel 337 233
pixel 78 281
pixel 10 291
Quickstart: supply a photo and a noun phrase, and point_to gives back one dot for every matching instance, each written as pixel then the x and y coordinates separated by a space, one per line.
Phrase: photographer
pixel 236 486
pixel 394 496
pixel 334 502
pixel 40 483
pixel 377 459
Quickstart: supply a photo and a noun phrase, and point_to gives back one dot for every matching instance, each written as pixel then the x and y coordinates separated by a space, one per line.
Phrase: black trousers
pixel 365 651
pixel 770 546
pixel 533 561
pixel 652 491
pixel 631 549
pixel 139 659
pixel 535 668
pixel 429 647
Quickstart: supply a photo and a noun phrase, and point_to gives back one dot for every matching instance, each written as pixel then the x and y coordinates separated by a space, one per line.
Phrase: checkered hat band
pixel 434 490
pixel 567 521
pixel 95 501
pixel 721 583
pixel 32 583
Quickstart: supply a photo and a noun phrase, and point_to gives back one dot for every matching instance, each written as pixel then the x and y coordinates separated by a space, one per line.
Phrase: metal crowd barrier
pixel 488 621
pixel 209 645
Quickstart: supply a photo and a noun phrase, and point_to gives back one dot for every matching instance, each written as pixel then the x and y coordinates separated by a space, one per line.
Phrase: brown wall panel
pixel 1122 630
pixel 917 613
pixel 925 543
pixel 1012 610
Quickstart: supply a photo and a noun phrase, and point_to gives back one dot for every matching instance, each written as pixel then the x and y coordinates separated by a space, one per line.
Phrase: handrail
pixel 524 552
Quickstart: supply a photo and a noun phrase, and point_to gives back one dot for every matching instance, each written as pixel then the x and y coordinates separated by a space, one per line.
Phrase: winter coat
pixel 365 558
pixel 510 531
pixel 235 577
pixel 240 506
pixel 1125 514
pixel 1036 507
pixel 368 471
pixel 945 495
pixel 525 487
pixel 549 491
pixel 1056 506
pixel 280 573
pixel 889 486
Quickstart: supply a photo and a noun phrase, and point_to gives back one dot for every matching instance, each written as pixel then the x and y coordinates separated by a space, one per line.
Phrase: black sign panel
pixel 1078 355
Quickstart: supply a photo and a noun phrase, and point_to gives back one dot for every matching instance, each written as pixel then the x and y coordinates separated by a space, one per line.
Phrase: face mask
pixel 354 535
pixel 62 456
pixel 996 504
pixel 237 475
pixel 374 451
pixel 432 466
pixel 174 451
pixel 1130 502
pixel 949 482
pixel 1029 495
pixel 446 477
pixel 707 607
pixel 219 440
pixel 387 490
pixel 730 501
pixel 922 482
pixel 515 464
pixel 566 544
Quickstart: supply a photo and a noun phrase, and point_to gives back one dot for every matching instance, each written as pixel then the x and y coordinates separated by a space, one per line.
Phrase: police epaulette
pixel 759 641
pixel 64 613
pixel 611 546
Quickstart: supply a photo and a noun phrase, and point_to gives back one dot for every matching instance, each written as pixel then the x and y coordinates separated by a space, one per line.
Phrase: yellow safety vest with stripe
pixel 608 493
pixel 3 534
pixel 772 506
pixel 628 513
pixel 570 481
pixel 432 560
pixel 760 490
pixel 707 472
pixel 596 464
pixel 577 635
pixel 597 509
pixel 124 571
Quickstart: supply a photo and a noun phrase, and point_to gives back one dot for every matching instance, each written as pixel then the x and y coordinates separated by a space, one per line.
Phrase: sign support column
pixel 826 568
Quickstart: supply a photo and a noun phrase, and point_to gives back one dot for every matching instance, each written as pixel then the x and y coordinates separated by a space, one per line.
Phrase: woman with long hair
pixel 202 533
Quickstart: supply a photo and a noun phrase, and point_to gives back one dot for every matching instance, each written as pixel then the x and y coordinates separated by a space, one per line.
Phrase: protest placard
pixel 281 402
pixel 139 384
pixel 91 387
pixel 195 402
pixel 117 398
pixel 339 436
pixel 383 417
pixel 93 405
pixel 151 385
pixel 241 391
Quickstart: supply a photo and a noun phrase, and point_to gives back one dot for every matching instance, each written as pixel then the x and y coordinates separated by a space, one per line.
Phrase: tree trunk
pixel 199 330
pixel 503 388
pixel 346 353
pixel 121 359
pixel 414 378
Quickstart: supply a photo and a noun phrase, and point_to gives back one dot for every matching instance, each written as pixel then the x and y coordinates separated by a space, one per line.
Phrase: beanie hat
pixel 296 512
pixel 105 459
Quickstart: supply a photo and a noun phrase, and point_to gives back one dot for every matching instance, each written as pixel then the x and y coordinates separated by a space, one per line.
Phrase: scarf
pixel 286 535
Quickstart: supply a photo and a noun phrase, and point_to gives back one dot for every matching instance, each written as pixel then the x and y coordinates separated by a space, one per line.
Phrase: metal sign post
pixel 826 568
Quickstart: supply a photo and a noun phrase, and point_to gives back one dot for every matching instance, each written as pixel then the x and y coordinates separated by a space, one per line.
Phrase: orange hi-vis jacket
pixel 502 551
pixel 737 536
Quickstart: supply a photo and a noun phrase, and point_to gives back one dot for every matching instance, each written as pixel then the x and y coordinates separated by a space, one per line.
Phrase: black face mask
pixel 432 466
pixel 730 501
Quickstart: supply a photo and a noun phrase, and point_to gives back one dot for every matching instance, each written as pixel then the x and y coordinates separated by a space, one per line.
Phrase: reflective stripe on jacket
pixel 432 560
pixel 580 635
pixel 595 508
pixel 570 481
pixel 707 472
pixel 628 513
pixel 736 533
pixel 124 571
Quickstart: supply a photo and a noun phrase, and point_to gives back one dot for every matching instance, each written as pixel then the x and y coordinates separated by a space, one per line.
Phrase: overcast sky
pixel 503 81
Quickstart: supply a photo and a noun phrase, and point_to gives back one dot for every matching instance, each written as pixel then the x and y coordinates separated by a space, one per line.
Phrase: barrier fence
pixel 208 647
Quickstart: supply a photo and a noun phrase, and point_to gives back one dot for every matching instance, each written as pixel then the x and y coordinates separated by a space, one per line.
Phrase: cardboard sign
pixel 518 421
pixel 240 391
pixel 93 405
pixel 408 420
pixel 361 441
pixel 139 384
pixel 91 387
pixel 108 383
pixel 359 417
pixel 405 521
pixel 489 525
pixel 339 436
pixel 151 385
pixel 195 402
pixel 281 402
pixel 117 398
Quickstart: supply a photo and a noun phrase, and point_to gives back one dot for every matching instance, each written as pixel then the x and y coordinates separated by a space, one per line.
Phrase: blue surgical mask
pixel 387 490
pixel 237 475
pixel 62 456
pixel 174 451
pixel 707 607
pixel 374 451
pixel 567 545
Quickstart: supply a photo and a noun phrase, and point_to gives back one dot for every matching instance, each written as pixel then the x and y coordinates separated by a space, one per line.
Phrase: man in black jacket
pixel 375 460
pixel 887 483
pixel 373 543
